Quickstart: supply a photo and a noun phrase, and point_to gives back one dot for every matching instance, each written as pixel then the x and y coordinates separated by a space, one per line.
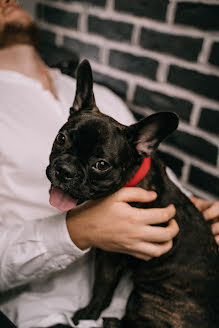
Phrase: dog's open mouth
pixel 61 200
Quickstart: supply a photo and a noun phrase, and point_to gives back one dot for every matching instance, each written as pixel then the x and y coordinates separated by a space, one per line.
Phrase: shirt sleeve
pixel 35 249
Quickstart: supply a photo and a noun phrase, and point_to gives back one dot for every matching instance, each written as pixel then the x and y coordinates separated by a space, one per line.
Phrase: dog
pixel 92 157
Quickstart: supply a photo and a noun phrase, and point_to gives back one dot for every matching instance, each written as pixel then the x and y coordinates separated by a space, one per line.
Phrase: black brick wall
pixel 157 55
pixel 161 102
pixel 195 146
pixel 142 66
pixel 203 84
pixel 209 120
pixel 54 16
pixel 84 49
pixel 110 29
pixel 118 86
pixel 155 9
pixel 200 15
pixel 47 37
pixel 171 44
pixel 201 179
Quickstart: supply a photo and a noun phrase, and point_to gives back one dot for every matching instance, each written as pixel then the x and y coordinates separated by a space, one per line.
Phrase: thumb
pixel 135 194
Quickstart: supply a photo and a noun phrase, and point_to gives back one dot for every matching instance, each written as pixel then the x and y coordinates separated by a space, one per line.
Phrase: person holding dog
pixel 46 262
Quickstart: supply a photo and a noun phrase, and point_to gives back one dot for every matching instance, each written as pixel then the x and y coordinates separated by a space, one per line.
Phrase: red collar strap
pixel 140 174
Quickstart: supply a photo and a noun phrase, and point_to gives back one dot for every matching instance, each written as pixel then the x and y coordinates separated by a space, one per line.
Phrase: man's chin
pixel 16 15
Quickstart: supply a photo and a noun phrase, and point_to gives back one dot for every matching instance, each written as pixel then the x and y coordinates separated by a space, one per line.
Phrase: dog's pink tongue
pixel 61 200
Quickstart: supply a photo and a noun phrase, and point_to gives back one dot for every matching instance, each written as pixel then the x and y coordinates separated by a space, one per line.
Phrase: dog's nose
pixel 63 173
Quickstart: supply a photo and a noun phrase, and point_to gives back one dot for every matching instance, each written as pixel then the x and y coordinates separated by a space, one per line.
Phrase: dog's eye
pixel 60 139
pixel 101 166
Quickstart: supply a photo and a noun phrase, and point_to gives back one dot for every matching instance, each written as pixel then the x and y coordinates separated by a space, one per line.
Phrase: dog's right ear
pixel 84 98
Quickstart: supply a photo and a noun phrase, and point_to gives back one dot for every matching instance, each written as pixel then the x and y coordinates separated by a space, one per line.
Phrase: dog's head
pixel 93 155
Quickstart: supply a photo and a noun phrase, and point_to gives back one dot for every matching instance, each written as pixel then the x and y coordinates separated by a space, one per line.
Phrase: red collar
pixel 140 174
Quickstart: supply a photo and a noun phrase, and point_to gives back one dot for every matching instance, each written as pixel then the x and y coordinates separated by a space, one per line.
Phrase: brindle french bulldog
pixel 93 156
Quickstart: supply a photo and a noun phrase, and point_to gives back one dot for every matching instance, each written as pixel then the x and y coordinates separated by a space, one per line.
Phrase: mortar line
pixel 205 51
pixel 171 10
pixel 162 72
pixel 195 114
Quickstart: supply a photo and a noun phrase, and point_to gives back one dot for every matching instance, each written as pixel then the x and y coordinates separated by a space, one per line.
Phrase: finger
pixel 201 204
pixel 161 234
pixel 149 250
pixel 154 215
pixel 215 228
pixel 212 212
pixel 134 194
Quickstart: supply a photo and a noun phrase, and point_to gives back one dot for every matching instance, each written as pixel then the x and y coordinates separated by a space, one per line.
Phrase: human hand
pixel 114 225
pixel 210 211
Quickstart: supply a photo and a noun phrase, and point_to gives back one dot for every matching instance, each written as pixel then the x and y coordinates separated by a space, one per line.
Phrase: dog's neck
pixel 155 180
pixel 141 172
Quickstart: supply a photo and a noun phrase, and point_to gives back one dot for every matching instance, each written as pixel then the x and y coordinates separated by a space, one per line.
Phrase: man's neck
pixel 24 59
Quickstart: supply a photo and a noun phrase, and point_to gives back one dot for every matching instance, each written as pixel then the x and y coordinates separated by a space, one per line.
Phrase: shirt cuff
pixel 56 237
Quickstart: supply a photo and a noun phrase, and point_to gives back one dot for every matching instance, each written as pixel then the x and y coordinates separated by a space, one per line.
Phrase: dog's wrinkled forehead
pixel 91 131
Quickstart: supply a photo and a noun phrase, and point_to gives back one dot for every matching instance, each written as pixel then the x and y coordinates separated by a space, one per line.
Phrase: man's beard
pixel 15 33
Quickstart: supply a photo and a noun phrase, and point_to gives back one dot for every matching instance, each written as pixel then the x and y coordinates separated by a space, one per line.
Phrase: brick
pixel 203 84
pixel 171 161
pixel 194 146
pixel 214 56
pixel 82 49
pixel 155 9
pixel 47 36
pixel 171 44
pixel 116 85
pixel 110 29
pixel 100 3
pixel 39 10
pixel 142 66
pixel 160 102
pixel 202 16
pixel 209 120
pixel 205 181
pixel 62 58
pixel 57 16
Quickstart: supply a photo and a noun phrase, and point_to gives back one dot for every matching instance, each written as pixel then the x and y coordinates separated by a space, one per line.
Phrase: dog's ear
pixel 149 132
pixel 84 98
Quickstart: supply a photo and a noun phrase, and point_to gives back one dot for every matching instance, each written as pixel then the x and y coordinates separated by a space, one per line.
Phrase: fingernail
pixel 152 194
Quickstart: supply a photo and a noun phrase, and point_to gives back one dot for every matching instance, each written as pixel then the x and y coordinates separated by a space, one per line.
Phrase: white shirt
pixel 35 246
pixel 34 239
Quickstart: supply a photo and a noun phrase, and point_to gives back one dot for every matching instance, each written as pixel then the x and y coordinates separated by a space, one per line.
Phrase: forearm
pixel 33 250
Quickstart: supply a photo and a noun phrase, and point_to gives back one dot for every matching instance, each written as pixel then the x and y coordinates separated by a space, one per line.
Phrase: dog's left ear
pixel 149 132
pixel 84 98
